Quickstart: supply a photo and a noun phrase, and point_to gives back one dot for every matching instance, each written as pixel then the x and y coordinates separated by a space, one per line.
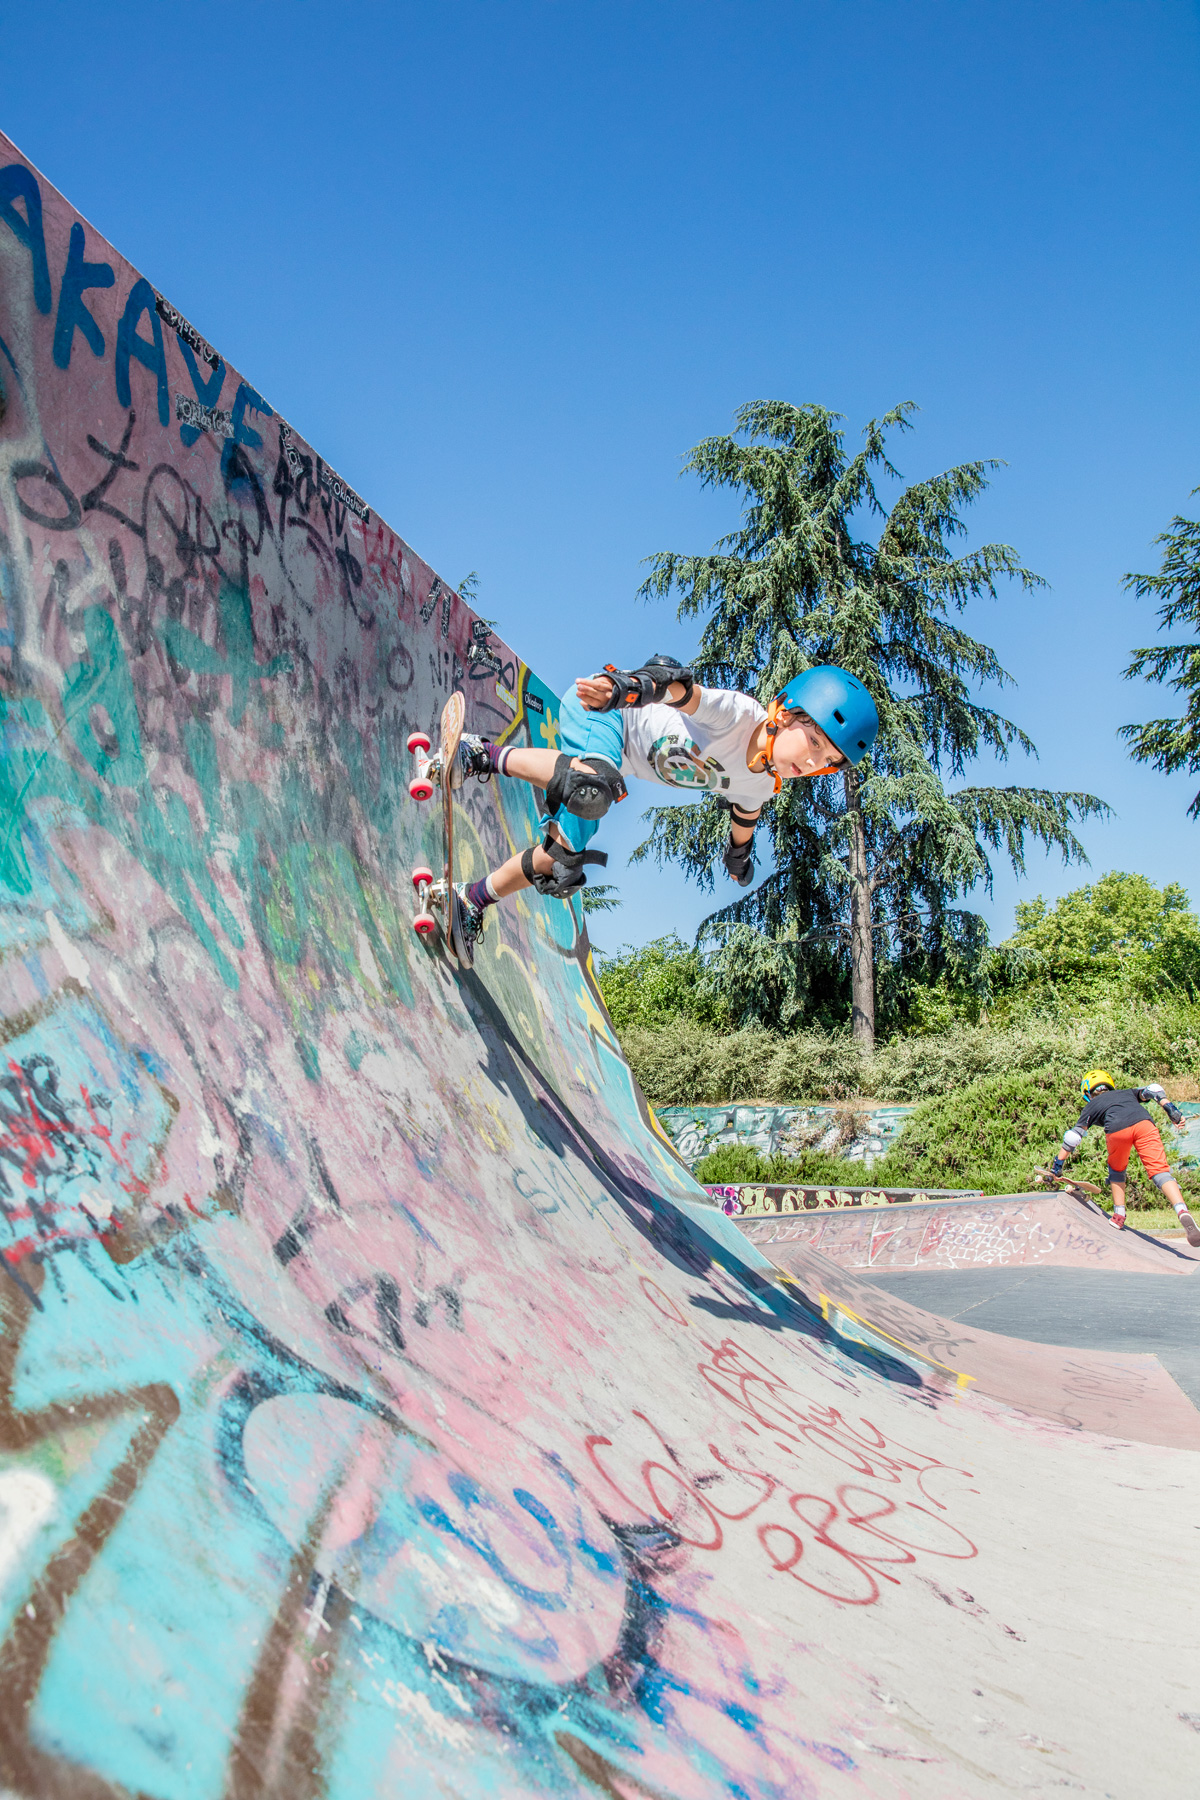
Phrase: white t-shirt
pixel 704 749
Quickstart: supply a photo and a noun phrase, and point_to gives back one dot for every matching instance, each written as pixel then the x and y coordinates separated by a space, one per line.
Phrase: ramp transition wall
pixel 382 1407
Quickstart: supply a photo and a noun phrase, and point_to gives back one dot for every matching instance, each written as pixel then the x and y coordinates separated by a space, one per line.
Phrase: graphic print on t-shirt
pixel 706 750
pixel 677 760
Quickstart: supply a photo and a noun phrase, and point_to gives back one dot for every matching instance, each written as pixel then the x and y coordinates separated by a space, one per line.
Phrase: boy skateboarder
pixel 658 723
pixel 1127 1126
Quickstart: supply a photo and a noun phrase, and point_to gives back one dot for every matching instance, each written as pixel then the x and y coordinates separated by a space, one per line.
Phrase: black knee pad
pixel 567 874
pixel 588 796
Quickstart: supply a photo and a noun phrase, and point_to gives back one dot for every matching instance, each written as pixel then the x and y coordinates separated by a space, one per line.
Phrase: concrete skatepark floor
pixel 1110 1310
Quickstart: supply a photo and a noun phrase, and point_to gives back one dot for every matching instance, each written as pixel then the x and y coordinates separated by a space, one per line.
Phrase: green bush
pixel 657 986
pixel 679 1064
pixel 731 1164
pixel 683 1063
pixel 816 1065
pixel 988 1134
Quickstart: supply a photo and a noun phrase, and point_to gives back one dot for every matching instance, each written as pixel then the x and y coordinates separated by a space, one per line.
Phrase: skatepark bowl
pixel 383 1407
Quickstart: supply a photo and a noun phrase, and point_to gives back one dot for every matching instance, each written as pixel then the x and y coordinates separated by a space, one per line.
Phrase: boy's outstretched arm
pixel 1154 1091
pixel 1072 1138
pixel 739 846
pixel 661 679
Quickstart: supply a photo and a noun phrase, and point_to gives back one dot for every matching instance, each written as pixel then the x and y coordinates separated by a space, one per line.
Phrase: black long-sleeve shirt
pixel 1116 1109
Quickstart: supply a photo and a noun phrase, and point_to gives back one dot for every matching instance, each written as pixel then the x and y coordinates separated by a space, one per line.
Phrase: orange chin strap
pixel 762 762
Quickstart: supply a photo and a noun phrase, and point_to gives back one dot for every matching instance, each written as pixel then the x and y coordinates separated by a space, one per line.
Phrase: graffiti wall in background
pixel 383 1408
pixel 745 1197
pixel 1185 1150
pixel 697 1130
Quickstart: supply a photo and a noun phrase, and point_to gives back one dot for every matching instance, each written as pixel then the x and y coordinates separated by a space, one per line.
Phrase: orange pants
pixel 1144 1138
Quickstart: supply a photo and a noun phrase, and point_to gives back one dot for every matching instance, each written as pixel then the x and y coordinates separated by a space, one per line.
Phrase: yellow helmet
pixel 1095 1078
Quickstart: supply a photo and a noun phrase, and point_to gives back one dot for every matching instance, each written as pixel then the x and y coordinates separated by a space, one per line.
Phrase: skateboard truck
pixel 424 924
pixel 1070 1182
pixel 420 787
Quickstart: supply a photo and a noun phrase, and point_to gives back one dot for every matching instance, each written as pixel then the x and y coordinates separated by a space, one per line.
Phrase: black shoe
pixel 472 916
pixel 473 757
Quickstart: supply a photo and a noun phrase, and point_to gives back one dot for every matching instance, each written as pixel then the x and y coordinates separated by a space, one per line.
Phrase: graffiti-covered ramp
pixel 382 1408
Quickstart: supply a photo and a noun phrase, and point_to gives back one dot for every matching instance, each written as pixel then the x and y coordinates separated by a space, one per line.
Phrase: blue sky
pixel 504 263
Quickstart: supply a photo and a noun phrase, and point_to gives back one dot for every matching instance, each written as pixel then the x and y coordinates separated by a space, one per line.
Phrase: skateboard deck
pixel 453 718
pixel 441 894
pixel 1067 1181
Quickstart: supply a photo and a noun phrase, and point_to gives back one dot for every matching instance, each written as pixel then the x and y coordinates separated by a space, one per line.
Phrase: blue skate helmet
pixel 836 701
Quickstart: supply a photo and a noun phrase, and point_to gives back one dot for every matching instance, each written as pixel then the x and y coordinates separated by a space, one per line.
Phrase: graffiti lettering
pixel 203 418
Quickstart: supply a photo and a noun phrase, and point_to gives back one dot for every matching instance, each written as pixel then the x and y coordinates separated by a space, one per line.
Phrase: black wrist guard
pixel 638 687
pixel 739 861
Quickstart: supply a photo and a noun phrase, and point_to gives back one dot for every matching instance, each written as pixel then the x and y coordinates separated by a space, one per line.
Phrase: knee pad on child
pixel 566 874
pixel 586 793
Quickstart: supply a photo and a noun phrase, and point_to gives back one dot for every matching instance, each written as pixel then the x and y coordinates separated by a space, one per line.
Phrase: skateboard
pixel 1067 1181
pixel 431 893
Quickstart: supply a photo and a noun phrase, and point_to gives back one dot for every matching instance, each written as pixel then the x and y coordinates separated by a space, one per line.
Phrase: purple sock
pixel 478 892
pixel 499 757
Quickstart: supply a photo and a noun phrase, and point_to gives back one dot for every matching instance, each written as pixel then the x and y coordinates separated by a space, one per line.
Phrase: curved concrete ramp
pixel 1013 1231
pixel 1125 1395
pixel 383 1409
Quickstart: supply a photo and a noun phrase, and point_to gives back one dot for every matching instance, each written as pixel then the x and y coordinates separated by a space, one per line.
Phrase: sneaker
pixel 473 759
pixel 1191 1228
pixel 1118 1220
pixel 472 916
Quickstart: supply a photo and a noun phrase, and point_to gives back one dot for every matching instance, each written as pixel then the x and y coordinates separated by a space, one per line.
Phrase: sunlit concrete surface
pixel 383 1409
pixel 1006 1231
pixel 1124 1311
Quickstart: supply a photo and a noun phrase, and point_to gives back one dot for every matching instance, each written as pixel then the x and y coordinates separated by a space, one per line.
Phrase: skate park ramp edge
pixel 383 1407
pixel 1034 1230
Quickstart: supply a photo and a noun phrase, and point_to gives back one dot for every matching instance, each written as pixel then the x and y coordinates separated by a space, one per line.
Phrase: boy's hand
pixel 595 691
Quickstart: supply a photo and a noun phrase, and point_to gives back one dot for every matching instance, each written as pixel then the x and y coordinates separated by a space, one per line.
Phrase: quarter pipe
pixel 383 1408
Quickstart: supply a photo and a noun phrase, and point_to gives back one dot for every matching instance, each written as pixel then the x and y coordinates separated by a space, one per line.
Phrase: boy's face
pixel 802 748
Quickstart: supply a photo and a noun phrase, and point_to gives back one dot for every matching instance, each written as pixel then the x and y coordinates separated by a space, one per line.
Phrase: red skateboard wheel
pixel 424 924
pixel 422 876
pixel 420 787
pixel 417 741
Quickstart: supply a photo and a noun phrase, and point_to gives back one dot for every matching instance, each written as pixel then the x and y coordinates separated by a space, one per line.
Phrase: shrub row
pixel 991 1134
pixel 682 1063
pixel 732 1164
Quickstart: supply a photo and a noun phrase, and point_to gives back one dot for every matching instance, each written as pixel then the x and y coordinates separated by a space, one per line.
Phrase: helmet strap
pixel 763 761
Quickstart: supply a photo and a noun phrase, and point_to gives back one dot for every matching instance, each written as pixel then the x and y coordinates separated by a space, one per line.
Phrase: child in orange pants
pixel 1128 1126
